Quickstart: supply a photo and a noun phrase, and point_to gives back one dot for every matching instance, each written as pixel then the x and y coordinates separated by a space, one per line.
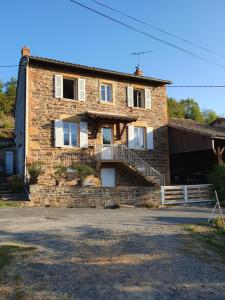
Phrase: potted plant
pixel 35 169
pixel 82 172
pixel 59 173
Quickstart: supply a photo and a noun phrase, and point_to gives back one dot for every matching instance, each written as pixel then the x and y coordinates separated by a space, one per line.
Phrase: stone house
pixel 113 121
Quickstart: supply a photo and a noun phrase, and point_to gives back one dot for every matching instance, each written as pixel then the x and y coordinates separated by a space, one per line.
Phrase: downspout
pixel 26 121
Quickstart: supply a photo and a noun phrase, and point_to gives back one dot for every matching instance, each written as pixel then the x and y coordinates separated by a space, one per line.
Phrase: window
pixel 139 98
pixel 70 134
pixel 106 92
pixel 139 137
pixel 69 88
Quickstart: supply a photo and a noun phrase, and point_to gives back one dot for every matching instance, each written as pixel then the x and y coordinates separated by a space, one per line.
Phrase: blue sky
pixel 58 29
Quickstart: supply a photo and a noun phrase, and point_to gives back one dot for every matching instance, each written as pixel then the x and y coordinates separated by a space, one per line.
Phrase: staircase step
pixel 14 197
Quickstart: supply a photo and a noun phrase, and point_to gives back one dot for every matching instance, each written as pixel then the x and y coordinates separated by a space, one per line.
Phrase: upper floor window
pixel 70 134
pixel 139 98
pixel 106 92
pixel 70 88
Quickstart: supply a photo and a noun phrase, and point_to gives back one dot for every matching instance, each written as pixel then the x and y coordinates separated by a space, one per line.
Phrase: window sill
pixel 140 108
pixel 68 100
pixel 106 102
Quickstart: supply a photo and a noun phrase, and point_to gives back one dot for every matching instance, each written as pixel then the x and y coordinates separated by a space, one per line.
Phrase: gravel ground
pixel 87 254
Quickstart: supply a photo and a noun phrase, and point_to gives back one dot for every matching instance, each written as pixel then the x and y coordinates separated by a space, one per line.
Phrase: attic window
pixel 69 88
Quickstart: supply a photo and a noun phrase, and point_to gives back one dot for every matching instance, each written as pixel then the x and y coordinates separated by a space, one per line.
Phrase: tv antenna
pixel 138 54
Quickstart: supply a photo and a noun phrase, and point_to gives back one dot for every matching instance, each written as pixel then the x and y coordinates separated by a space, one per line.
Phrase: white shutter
pixel 83 134
pixel 148 99
pixel 130 96
pixel 131 137
pixel 81 89
pixel 58 86
pixel 58 133
pixel 150 142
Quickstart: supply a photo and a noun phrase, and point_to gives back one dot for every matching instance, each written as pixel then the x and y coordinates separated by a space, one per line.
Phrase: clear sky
pixel 60 30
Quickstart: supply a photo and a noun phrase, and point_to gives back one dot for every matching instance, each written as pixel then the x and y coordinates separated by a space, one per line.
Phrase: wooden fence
pixel 180 194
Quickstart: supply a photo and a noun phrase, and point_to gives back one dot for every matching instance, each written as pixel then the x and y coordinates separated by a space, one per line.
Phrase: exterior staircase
pixel 121 154
pixel 6 194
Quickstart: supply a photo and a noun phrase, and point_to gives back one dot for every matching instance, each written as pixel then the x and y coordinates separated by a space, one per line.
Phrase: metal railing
pixel 121 153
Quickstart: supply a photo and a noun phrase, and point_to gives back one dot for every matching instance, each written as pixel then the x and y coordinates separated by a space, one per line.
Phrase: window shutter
pixel 130 96
pixel 58 133
pixel 150 142
pixel 131 137
pixel 81 89
pixel 58 86
pixel 83 134
pixel 148 99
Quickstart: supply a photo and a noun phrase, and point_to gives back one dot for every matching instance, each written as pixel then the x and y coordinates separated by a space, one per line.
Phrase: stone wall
pixel 44 109
pixel 55 196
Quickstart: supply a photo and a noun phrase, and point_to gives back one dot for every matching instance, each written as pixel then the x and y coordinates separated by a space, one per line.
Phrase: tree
pixel 192 110
pixel 175 109
pixel 209 116
pixel 7 96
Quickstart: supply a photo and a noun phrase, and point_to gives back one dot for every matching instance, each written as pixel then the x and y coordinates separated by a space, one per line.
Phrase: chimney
pixel 138 72
pixel 25 51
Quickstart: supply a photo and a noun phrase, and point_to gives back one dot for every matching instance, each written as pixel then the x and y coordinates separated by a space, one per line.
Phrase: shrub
pixel 59 173
pixel 35 169
pixel 217 179
pixel 16 183
pixel 82 171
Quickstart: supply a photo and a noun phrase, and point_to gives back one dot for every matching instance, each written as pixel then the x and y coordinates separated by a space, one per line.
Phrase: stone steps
pixel 7 194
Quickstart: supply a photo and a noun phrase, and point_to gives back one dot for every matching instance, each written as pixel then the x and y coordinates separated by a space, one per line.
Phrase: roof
pixel 109 73
pixel 195 127
pixel 110 117
pixel 218 120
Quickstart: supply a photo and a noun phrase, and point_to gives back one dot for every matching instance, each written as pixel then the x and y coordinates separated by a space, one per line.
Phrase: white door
pixel 9 162
pixel 107 141
pixel 108 177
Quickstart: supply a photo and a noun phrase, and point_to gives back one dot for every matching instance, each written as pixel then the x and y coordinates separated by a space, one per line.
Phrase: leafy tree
pixel 7 96
pixel 192 110
pixel 209 116
pixel 175 108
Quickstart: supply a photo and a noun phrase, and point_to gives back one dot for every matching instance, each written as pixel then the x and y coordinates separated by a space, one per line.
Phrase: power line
pixel 196 86
pixel 147 34
pixel 10 66
pixel 159 29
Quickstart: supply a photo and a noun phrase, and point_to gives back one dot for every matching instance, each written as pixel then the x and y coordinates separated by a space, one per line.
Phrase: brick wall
pixel 55 196
pixel 44 109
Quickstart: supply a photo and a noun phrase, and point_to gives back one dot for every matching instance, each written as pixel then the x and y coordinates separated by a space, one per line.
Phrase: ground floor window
pixel 139 137
pixel 70 134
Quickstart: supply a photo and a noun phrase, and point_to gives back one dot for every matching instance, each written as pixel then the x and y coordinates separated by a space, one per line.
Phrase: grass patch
pixel 211 237
pixel 8 252
pixel 5 204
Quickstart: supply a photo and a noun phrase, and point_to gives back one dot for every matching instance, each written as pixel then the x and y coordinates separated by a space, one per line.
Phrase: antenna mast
pixel 138 54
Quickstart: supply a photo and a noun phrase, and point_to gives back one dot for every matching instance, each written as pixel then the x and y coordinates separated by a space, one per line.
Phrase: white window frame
pixel 142 100
pixel 70 134
pixel 106 100
pixel 137 147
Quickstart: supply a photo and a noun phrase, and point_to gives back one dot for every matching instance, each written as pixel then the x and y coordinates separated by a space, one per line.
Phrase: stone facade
pixel 44 108
pixel 55 196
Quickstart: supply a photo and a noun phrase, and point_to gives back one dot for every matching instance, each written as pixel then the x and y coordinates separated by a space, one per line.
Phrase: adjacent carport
pixel 194 149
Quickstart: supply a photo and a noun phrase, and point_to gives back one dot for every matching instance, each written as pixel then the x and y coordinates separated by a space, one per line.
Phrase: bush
pixel 16 183
pixel 82 171
pixel 59 173
pixel 217 179
pixel 35 169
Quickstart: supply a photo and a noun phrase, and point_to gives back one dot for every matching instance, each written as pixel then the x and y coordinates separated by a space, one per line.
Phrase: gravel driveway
pixel 87 254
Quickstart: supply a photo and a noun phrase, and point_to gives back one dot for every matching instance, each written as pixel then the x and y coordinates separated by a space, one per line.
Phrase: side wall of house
pixel 20 114
pixel 44 109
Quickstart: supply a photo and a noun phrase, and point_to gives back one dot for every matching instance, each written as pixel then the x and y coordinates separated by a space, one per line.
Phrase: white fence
pixel 180 194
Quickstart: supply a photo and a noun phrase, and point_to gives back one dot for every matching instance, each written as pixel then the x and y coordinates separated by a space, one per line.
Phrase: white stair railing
pixel 122 153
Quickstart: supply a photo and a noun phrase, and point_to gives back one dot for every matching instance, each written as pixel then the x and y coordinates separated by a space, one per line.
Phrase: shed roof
pixel 195 127
pixel 110 117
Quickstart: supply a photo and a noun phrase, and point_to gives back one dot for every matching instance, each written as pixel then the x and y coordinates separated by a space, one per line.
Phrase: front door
pixel 9 162
pixel 108 177
pixel 107 141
